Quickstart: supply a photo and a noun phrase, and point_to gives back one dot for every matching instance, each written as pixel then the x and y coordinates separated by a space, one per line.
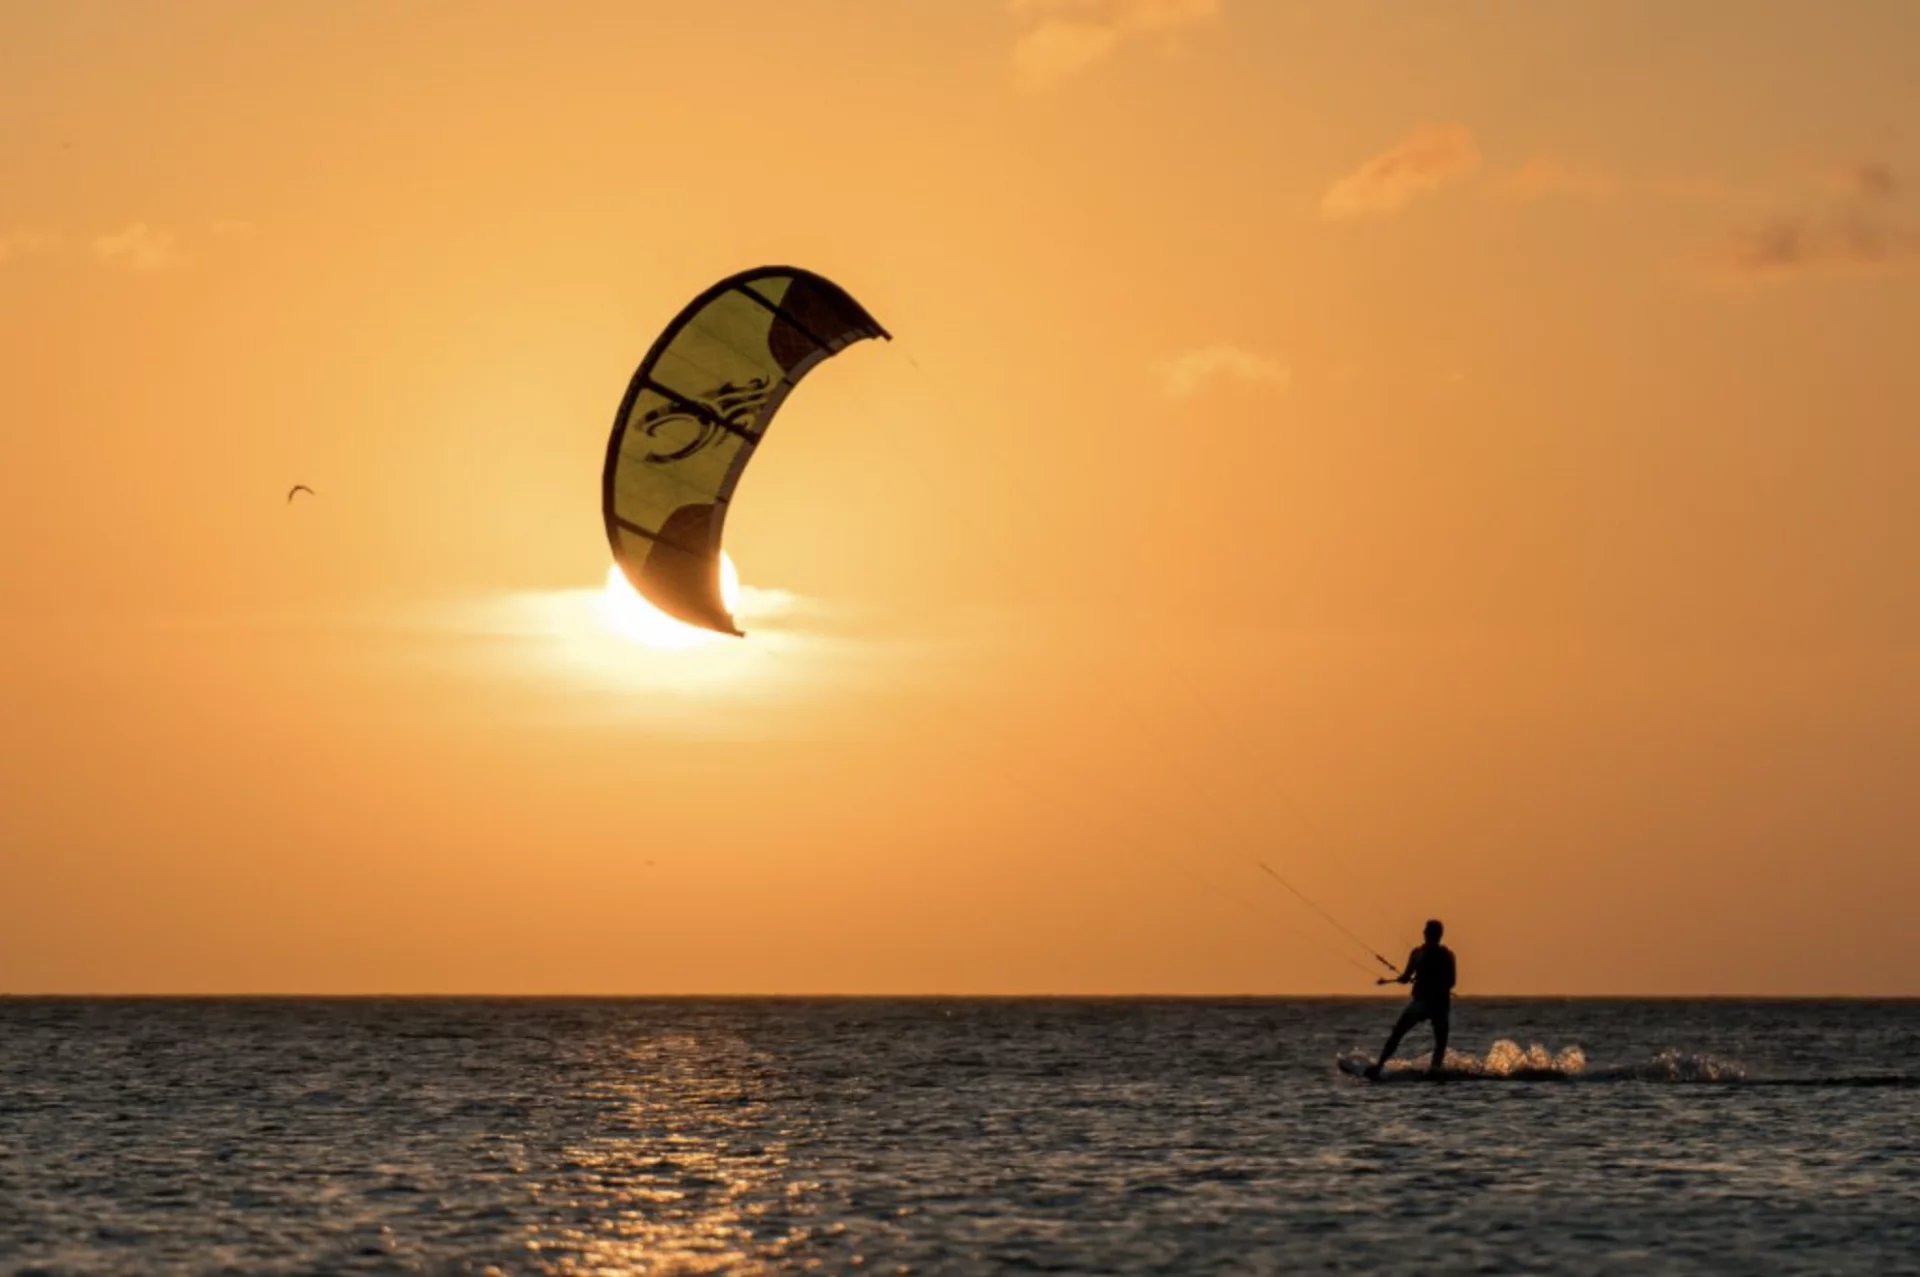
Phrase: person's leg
pixel 1439 1040
pixel 1408 1018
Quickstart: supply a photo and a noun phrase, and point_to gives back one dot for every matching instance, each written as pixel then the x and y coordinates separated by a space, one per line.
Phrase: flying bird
pixel 298 487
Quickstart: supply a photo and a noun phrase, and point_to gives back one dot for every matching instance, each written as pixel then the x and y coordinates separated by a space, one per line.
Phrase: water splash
pixel 1507 1058
pixel 1679 1066
pixel 1508 1061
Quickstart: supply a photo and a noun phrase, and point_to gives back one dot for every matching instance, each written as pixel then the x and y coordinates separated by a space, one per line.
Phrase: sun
pixel 624 612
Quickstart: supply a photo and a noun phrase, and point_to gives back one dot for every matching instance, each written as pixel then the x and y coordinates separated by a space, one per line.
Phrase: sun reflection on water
pixel 685 1177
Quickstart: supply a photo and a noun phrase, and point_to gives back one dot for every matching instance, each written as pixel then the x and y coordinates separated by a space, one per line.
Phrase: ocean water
pixel 934 1136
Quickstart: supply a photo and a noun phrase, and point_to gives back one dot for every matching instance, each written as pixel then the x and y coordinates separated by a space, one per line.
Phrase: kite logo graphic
pixel 728 408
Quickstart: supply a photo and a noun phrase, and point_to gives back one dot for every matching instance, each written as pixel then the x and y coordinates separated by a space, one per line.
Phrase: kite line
pixel 1339 926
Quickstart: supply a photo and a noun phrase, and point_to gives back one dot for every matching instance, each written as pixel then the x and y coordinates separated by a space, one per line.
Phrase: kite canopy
pixel 697 407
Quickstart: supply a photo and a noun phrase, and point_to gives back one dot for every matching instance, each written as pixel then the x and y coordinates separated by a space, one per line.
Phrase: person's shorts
pixel 1418 1011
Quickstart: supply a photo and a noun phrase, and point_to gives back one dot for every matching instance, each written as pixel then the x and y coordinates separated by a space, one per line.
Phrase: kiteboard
pixel 1355 1067
pixel 1358 1068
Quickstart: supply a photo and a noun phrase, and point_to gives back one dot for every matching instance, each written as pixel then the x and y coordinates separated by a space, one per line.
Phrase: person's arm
pixel 1406 973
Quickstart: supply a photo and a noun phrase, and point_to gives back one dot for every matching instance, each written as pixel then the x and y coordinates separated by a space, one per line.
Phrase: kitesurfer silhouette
pixel 1430 970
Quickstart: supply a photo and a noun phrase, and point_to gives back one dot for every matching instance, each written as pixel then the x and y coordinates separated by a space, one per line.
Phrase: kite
pixel 298 487
pixel 696 409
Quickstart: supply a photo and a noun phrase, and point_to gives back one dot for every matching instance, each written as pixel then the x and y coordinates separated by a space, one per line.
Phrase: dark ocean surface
pixel 937 1136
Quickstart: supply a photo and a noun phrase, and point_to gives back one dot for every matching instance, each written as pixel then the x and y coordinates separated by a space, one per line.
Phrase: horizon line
pixel 935 997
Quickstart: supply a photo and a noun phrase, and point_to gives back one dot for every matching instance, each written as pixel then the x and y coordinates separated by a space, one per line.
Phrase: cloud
pixel 599 655
pixel 139 247
pixel 1054 51
pixel 25 241
pixel 1790 245
pixel 1706 190
pixel 1065 37
pixel 1868 182
pixel 1860 227
pixel 1543 178
pixel 135 247
pixel 1432 156
pixel 1188 373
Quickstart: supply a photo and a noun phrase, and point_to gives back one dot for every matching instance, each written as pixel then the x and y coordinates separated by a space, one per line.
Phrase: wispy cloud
pixel 1697 189
pixel 138 247
pixel 1429 158
pixel 1861 226
pixel 1408 170
pixel 1546 178
pixel 601 655
pixel 25 241
pixel 1192 371
pixel 1869 180
pixel 1064 37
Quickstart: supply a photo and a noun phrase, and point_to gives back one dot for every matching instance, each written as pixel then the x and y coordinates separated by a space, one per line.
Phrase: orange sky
pixel 1461 455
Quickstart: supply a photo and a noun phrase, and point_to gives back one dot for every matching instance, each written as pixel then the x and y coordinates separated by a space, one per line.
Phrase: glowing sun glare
pixel 624 612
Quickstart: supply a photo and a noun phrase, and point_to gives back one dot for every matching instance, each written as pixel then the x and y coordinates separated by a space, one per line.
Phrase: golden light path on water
pixel 689 1173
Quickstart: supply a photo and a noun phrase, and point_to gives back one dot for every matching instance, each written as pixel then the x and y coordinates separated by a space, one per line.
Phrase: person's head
pixel 1434 930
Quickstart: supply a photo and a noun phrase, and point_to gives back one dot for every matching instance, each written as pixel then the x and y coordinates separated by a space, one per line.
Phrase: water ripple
pixel 1120 1137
